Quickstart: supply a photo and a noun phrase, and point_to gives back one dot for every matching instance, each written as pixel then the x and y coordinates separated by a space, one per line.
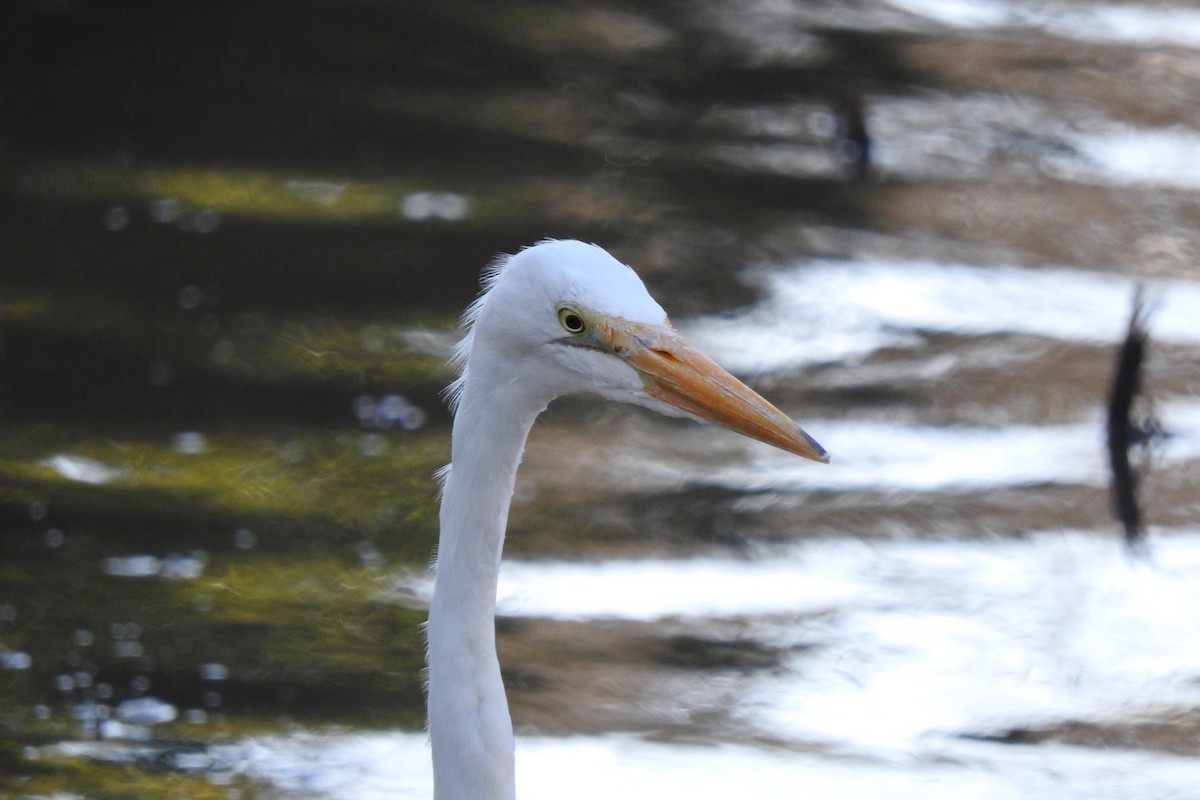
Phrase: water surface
pixel 233 252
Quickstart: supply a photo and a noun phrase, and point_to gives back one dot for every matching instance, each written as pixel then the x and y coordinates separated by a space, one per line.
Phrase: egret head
pixel 564 317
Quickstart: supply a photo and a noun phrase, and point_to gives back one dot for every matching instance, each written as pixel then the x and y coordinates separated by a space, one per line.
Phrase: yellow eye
pixel 571 321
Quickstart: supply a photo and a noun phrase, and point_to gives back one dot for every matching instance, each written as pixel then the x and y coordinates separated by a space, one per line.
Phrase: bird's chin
pixel 654 404
pixel 639 397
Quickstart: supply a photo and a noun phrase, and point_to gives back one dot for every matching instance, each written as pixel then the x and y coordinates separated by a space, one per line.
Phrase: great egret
pixel 560 317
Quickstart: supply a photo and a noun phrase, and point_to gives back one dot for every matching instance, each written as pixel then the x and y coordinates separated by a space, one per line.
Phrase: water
pixel 370 766
pixel 908 658
pixel 230 278
pixel 831 311
pixel 1124 23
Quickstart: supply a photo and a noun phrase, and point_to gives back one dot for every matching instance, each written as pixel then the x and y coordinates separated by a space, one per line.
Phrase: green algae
pixel 59 775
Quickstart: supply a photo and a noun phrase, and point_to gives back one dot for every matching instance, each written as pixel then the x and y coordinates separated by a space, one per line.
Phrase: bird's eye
pixel 570 320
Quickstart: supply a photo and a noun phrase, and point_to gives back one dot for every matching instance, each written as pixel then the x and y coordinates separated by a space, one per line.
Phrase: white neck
pixel 469 724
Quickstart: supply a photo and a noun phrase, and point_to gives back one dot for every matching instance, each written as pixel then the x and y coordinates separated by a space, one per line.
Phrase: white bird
pixel 560 317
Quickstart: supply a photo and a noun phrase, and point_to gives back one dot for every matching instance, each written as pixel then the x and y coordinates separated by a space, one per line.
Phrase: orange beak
pixel 680 375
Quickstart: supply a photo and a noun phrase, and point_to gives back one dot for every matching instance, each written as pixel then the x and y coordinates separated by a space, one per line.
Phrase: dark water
pixel 235 238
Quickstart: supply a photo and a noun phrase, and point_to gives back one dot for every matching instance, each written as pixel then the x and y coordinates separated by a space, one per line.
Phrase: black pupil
pixel 573 322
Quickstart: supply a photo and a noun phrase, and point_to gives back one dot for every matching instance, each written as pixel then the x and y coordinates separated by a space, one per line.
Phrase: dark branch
pixel 1124 433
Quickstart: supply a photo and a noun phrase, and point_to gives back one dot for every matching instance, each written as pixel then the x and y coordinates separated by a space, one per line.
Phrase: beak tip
pixel 818 453
pixel 677 374
pixel 807 447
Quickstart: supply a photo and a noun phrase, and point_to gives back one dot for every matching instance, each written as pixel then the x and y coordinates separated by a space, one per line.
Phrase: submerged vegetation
pixel 237 586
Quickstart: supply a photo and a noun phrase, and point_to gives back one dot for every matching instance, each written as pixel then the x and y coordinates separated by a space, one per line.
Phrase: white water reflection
pixel 985 136
pixel 1163 157
pixel 83 470
pixel 373 766
pixel 1097 22
pixel 996 137
pixel 803 582
pixel 828 310
pixel 980 638
pixel 930 458
pixel 917 644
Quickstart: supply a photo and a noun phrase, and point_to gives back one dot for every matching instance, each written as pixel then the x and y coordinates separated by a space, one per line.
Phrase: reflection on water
pixel 84 470
pixel 911 653
pixel 1144 157
pixel 830 311
pixel 234 247
pixel 1092 22
pixel 377 766
pixel 926 458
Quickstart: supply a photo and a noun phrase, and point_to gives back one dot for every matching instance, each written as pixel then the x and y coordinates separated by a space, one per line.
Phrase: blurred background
pixel 235 239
